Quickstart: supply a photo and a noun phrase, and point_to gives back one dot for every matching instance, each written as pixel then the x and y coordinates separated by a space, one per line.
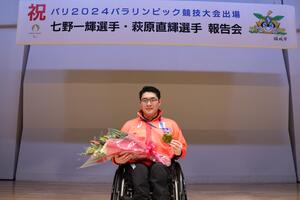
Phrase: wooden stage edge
pixel 25 190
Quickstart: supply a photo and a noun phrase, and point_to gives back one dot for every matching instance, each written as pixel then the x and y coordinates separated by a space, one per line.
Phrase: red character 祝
pixel 36 12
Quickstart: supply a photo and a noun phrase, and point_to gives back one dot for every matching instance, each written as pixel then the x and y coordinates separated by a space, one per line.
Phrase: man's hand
pixel 123 158
pixel 177 147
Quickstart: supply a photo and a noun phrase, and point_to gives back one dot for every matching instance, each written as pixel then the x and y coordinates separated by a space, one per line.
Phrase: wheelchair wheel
pixel 179 192
pixel 118 184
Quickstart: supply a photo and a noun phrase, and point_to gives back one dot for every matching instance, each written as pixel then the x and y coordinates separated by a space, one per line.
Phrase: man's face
pixel 150 105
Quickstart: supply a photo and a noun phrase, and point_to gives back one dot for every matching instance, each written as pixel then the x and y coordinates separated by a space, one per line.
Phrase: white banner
pixel 156 23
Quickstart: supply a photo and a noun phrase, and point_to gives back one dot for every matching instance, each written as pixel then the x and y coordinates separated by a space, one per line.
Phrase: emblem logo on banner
pixel 36 12
pixel 269 25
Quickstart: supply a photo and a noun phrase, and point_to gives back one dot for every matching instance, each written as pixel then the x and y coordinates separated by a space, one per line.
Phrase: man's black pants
pixel 156 178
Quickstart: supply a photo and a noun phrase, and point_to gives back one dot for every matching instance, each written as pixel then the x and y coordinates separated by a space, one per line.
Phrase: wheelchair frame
pixel 121 190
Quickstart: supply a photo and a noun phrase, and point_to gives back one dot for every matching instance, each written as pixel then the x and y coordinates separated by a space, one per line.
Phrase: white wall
pixel 10 69
pixel 9 11
pixel 222 104
pixel 295 79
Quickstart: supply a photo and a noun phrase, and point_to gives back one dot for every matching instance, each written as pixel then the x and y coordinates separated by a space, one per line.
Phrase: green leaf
pixel 278 17
pixel 259 16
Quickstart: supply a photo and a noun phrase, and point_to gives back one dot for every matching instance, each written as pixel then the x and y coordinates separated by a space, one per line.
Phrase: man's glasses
pixel 151 100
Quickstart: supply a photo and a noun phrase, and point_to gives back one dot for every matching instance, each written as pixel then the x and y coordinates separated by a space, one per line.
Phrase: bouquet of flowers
pixel 116 142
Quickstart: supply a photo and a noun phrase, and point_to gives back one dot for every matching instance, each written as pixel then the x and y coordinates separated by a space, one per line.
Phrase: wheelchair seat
pixel 122 187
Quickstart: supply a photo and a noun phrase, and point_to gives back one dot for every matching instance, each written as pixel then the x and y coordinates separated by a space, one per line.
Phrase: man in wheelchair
pixel 149 175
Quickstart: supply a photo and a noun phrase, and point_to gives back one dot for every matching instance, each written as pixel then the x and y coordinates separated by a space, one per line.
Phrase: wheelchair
pixel 122 188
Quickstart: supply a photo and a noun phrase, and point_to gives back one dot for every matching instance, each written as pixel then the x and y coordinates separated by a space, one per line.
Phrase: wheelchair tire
pixel 179 183
pixel 117 184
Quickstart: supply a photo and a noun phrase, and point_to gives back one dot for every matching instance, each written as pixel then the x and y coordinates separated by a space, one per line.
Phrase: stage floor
pixel 21 190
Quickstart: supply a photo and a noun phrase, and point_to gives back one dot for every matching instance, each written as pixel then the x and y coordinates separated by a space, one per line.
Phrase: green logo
pixel 268 24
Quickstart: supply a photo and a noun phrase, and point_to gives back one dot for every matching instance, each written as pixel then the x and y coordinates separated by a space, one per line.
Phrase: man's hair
pixel 150 89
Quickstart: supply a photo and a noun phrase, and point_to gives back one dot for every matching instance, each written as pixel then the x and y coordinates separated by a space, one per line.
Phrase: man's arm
pixel 178 143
